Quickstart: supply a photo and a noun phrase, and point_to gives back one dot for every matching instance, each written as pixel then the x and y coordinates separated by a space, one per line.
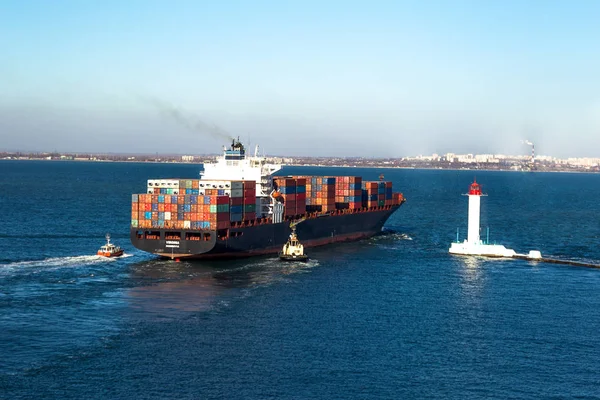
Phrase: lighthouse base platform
pixel 481 249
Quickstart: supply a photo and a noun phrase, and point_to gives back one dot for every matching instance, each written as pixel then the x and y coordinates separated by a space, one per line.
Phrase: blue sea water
pixel 390 317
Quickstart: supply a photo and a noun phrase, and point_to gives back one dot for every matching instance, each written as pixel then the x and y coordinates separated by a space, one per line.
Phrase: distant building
pixel 187 158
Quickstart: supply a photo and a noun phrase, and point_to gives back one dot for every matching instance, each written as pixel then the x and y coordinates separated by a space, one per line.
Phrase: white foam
pixel 57 262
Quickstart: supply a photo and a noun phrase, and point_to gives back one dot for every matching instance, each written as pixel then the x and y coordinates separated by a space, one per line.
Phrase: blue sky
pixel 378 78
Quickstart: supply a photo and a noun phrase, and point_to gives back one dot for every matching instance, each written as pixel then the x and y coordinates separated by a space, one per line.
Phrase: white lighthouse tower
pixel 473 245
pixel 474 212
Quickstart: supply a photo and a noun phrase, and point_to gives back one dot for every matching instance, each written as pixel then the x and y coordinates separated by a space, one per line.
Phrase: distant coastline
pixel 515 165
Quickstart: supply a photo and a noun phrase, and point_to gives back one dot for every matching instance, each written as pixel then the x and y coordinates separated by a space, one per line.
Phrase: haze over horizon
pixel 377 79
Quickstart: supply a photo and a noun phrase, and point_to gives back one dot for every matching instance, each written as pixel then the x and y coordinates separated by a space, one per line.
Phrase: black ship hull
pixel 267 238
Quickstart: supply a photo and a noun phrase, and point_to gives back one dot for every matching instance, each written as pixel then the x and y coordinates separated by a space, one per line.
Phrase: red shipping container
pixel 222 200
pixel 236 201
pixel 249 185
pixel 223 225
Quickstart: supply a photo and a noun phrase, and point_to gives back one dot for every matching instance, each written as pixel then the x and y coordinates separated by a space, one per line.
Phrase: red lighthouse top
pixel 475 189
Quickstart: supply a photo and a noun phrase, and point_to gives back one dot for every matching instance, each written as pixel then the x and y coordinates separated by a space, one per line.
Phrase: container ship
pixel 239 208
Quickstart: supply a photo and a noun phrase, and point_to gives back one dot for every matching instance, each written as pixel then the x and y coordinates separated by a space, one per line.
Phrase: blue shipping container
pixel 235 210
pixel 154 207
pixel 148 214
pixel 287 189
pixel 161 199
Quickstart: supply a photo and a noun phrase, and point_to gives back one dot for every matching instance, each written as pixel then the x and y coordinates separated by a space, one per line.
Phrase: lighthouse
pixel 473 245
pixel 474 212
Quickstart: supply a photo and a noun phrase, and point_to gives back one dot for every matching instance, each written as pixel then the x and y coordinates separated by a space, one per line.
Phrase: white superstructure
pixel 234 164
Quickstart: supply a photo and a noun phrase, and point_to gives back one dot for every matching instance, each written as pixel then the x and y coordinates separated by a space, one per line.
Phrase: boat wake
pixel 54 262
pixel 391 235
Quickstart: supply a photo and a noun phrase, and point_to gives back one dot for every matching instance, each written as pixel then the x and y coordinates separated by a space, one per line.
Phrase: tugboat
pixel 109 249
pixel 293 250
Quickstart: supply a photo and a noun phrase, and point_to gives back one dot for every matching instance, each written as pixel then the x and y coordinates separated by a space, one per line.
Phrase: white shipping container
pixel 169 183
pixel 163 183
pixel 219 184
pixel 186 224
pixel 167 215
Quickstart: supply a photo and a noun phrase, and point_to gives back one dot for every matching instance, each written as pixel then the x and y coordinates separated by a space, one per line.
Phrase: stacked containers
pixel 287 187
pixel 320 193
pixel 242 196
pixel 370 196
pixel 389 194
pixel 135 210
pixel 300 195
pixel 249 200
pixel 377 193
pixel 348 192
pixel 180 211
